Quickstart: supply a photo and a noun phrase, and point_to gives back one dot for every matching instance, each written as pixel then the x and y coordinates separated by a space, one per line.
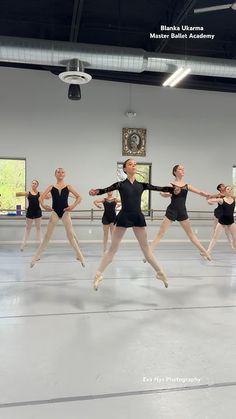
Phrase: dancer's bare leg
pixel 163 228
pixel 226 230
pixel 29 223
pixel 141 235
pixel 216 235
pixel 112 228
pixel 38 229
pixel 117 235
pixel 53 220
pixel 66 219
pixel 229 236
pixel 232 229
pixel 105 236
pixel 188 230
pixel 165 224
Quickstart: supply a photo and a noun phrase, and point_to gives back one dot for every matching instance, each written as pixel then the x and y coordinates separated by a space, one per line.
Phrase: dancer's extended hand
pixel 93 192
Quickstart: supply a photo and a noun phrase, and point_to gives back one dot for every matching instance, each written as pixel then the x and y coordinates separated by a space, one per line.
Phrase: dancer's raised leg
pixel 141 235
pixel 105 236
pixel 29 223
pixel 232 230
pixel 66 219
pixel 188 230
pixel 38 229
pixel 117 235
pixel 50 228
pixel 216 235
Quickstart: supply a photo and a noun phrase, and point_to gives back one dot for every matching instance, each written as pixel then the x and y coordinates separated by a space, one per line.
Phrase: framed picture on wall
pixel 134 141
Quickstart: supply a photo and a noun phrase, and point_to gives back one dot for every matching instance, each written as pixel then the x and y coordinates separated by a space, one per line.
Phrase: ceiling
pixel 126 23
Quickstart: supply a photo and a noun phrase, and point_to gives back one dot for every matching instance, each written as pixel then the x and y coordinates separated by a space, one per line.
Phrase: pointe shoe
pixel 162 277
pixel 98 278
pixel 82 261
pixel 206 255
pixel 33 261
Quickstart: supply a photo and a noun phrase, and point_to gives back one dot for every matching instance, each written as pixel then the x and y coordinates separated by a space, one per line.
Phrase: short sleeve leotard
pixel 130 194
pixel 59 200
pixel 109 215
pixel 227 216
pixel 177 211
pixel 33 210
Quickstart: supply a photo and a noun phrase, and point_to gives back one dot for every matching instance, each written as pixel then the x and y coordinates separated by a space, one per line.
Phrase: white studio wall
pixel 194 128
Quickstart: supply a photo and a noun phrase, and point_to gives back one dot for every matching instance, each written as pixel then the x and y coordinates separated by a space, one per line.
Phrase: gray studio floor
pixel 132 350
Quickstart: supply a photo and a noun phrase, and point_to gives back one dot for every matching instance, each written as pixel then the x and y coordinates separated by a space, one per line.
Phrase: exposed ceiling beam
pixel 189 4
pixel 75 21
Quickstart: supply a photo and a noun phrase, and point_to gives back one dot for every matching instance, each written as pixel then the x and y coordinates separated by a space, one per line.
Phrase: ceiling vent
pixel 75 73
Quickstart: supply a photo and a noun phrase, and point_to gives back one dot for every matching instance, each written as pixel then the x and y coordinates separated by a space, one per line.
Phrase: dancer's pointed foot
pixel 232 245
pixel 33 261
pixel 22 248
pixel 144 260
pixel 162 277
pixel 98 278
pixel 82 261
pixel 206 255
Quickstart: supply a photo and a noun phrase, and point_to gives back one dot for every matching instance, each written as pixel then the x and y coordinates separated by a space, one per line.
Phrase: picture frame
pixel 134 141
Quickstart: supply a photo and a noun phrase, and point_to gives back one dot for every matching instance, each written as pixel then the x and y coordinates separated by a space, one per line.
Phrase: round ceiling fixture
pixel 75 77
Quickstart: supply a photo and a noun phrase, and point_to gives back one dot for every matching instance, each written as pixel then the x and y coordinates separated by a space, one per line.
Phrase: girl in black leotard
pixel 60 210
pixel 226 218
pixel 130 216
pixel 218 212
pixel 33 213
pixel 176 211
pixel 109 216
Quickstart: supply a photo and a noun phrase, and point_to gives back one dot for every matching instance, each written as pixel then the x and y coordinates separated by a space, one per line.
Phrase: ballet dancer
pixel 108 219
pixel 33 213
pixel 218 212
pixel 60 211
pixel 226 218
pixel 176 211
pixel 130 216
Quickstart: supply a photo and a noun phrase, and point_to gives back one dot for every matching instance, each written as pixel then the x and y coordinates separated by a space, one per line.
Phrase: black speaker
pixel 74 92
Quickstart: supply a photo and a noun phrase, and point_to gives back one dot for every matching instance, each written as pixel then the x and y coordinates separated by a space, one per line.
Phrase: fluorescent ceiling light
pixel 178 75
pixel 172 77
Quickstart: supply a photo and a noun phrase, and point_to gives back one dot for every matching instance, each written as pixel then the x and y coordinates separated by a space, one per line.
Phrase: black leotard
pixel 33 210
pixel 177 209
pixel 59 200
pixel 218 211
pixel 130 193
pixel 109 215
pixel 227 217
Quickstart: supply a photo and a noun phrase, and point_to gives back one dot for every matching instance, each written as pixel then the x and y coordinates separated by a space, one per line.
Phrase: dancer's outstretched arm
pixel 22 194
pixel 168 189
pixel 212 201
pixel 113 187
pixel 198 191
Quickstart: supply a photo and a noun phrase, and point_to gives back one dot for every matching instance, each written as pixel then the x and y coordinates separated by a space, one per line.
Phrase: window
pixel 234 179
pixel 12 180
pixel 143 175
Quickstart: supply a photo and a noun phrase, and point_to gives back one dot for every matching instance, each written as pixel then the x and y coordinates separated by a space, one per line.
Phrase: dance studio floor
pixel 132 350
